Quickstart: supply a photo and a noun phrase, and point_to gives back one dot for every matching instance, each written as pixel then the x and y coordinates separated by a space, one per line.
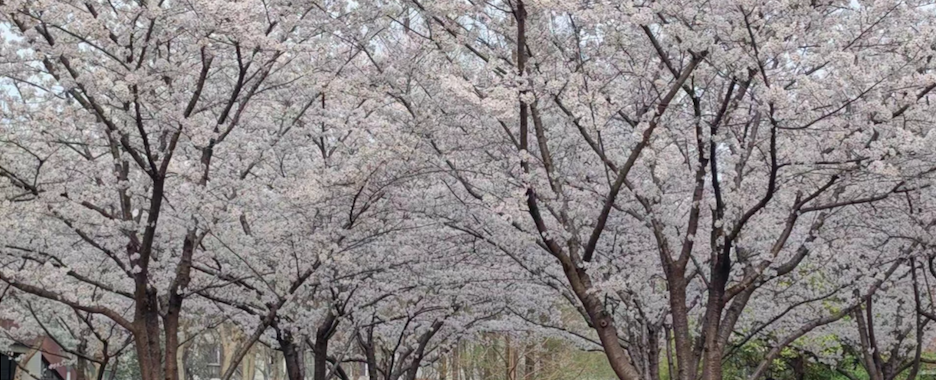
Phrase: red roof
pixel 53 354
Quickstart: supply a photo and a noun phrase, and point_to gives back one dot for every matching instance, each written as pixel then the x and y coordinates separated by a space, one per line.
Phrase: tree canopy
pixel 373 182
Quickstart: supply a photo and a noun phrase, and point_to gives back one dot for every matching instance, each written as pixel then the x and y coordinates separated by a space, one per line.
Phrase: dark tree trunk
pixel 292 354
pixel 653 338
pixel 370 355
pixel 82 368
pixel 668 340
pixel 799 367
pixel 320 350
pixel 146 337
pixel 685 358
pixel 420 353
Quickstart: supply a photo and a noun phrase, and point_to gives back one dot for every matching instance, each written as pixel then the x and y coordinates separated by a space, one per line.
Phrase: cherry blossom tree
pixel 602 135
pixel 371 182
pixel 146 144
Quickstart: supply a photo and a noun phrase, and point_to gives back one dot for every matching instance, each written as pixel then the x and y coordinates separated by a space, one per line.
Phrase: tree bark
pixel 276 367
pixel 866 347
pixel 320 350
pixel 799 367
pixel 685 356
pixel 668 337
pixel 602 323
pixel 420 353
pixel 81 370
pixel 146 335
pixel 292 355
pixel 653 338
pixel 370 356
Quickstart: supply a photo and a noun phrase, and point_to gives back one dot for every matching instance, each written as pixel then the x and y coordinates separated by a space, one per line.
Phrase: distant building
pixel 41 359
